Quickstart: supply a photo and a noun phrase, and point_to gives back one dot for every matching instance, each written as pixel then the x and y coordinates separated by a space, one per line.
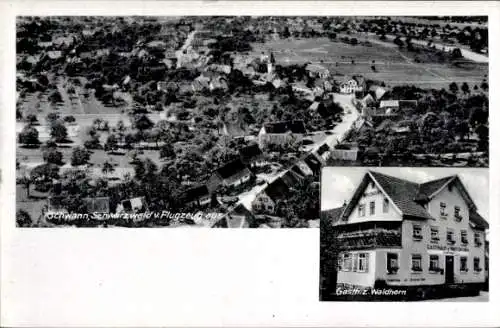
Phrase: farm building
pixel 231 174
pixel 281 132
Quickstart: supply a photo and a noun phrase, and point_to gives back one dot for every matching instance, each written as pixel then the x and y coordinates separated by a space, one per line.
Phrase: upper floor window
pixel 477 268
pixel 463 237
pixel 361 210
pixel 477 239
pixel 434 263
pixel 463 264
pixel 392 263
pixel 442 211
pixel 450 236
pixel 417 232
pixel 434 233
pixel 372 208
pixel 416 263
pixel 386 205
pixel 458 215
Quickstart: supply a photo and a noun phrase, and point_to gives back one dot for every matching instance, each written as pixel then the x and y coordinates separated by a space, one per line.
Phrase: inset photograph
pixel 404 234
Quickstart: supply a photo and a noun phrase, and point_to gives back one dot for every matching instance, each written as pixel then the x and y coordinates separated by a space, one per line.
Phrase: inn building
pixel 398 233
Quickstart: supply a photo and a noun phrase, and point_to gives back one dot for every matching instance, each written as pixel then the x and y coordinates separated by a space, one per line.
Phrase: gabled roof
pixel 196 193
pixel 428 188
pixel 250 152
pixel 285 126
pixel 277 190
pixel 231 168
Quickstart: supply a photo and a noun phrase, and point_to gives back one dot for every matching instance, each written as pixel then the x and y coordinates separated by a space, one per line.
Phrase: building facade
pixel 398 233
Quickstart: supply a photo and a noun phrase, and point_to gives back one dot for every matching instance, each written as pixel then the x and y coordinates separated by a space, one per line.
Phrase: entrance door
pixel 449 270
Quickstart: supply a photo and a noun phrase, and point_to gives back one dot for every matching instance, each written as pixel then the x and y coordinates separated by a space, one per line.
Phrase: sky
pixel 339 183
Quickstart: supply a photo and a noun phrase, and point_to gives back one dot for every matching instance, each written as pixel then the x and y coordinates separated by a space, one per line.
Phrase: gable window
pixel 392 263
pixel 463 264
pixel 442 210
pixel 386 205
pixel 450 238
pixel 434 263
pixel 463 237
pixel 477 239
pixel 434 233
pixel 417 232
pixel 372 208
pixel 362 265
pixel 477 268
pixel 416 263
pixel 361 210
pixel 458 216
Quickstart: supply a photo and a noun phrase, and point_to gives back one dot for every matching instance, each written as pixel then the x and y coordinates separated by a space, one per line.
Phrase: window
pixel 443 210
pixel 463 264
pixel 416 263
pixel 346 262
pixel 386 205
pixel 361 210
pixel 392 263
pixel 417 232
pixel 372 208
pixel 355 262
pixel 463 237
pixel 458 216
pixel 477 239
pixel 434 263
pixel 450 236
pixel 434 233
pixel 477 268
pixel 362 262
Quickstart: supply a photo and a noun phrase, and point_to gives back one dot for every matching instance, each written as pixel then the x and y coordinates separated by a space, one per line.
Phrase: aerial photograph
pixel 226 121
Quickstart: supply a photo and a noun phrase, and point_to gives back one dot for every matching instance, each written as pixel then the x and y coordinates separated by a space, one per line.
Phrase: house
pixel 389 105
pixel 377 91
pixel 302 169
pixel 402 234
pixel 280 133
pixel 197 196
pixel 54 54
pixel 314 163
pixel 132 205
pixel 231 174
pixel 350 86
pixel 315 70
pixel 266 201
pixel 252 155
pixel 235 129
pixel 97 204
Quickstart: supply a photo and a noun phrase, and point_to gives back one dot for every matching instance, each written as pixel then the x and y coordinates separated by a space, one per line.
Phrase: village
pixel 134 115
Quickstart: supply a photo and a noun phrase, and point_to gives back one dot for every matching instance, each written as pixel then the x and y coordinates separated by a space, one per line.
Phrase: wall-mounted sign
pixel 448 248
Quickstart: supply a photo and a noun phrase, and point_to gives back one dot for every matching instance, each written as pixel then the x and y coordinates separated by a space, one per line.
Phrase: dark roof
pixel 231 168
pixel 278 189
pixel 428 188
pixel 477 220
pixel 250 152
pixel 402 193
pixel 285 126
pixel 323 149
pixel 290 178
pixel 195 193
pixel 313 162
pixel 332 215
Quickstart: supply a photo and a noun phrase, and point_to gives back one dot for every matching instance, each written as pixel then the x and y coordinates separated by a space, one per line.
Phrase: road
pixel 180 53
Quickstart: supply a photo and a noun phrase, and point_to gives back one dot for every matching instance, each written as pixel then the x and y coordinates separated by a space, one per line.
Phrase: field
pixel 393 66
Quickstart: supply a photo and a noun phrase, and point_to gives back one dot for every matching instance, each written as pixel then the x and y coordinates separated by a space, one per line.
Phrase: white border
pixel 159 277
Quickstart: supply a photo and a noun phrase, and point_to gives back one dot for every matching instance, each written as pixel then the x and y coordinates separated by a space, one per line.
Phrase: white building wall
pixel 365 279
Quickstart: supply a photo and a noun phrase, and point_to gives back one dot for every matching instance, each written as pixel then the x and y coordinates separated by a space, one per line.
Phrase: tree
pixel 51 155
pixel 456 53
pixel 167 151
pixel 465 88
pixel 58 131
pixel 453 87
pixel 111 143
pixel 142 122
pixel 51 118
pixel 23 219
pixel 31 119
pixel 484 86
pixel 69 119
pixel 26 182
pixel 55 97
pixel 80 156
pixel 29 136
pixel 107 167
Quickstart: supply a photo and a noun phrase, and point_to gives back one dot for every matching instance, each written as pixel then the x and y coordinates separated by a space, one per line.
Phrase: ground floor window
pixel 463 264
pixel 434 263
pixel 363 262
pixel 392 263
pixel 346 263
pixel 416 263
